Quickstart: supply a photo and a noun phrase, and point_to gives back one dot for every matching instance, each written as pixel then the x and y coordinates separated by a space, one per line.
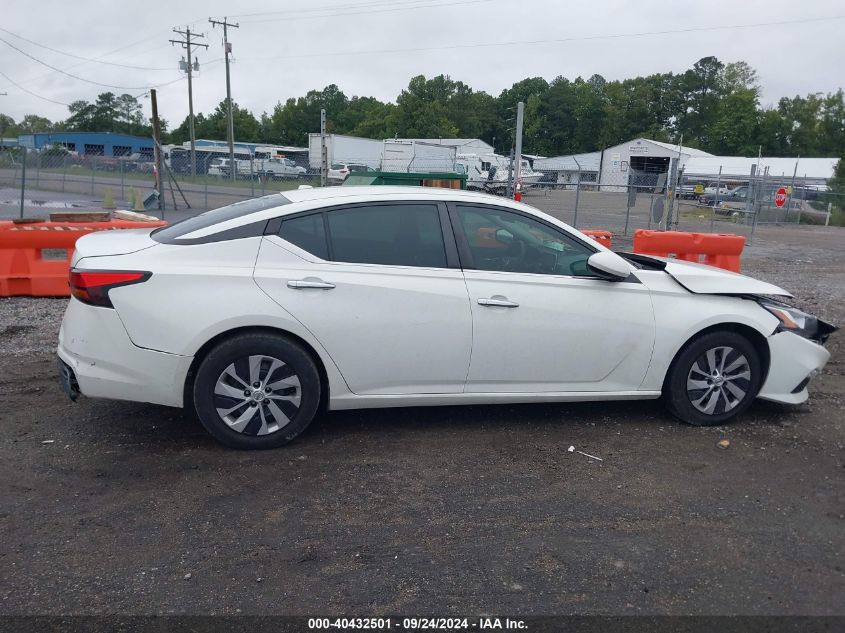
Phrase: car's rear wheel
pixel 256 391
pixel 714 379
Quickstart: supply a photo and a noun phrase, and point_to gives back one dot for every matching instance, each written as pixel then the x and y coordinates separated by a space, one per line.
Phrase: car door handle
pixel 498 301
pixel 302 284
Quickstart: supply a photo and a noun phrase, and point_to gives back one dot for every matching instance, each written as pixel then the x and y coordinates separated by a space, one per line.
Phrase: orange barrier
pixel 715 249
pixel 605 238
pixel 35 257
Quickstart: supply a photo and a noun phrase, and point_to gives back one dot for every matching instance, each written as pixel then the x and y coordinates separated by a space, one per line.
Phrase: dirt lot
pixel 112 507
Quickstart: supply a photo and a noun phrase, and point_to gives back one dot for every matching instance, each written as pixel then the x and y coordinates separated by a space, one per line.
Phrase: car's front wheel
pixel 714 379
pixel 256 391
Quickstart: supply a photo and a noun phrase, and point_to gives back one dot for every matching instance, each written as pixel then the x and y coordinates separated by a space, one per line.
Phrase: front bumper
pixel 793 360
pixel 97 351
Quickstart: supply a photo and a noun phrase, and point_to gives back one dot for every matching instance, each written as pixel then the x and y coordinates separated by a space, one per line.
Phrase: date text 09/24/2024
pixel 413 624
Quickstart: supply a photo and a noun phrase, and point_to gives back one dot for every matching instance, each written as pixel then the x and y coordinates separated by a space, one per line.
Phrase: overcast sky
pixel 363 46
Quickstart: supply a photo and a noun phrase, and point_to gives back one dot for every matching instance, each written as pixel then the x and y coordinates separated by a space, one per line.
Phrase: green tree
pixel 557 111
pixel 530 91
pixel 700 88
pixel 291 122
pixel 129 115
pixel 738 76
pixel 735 131
pixel 368 117
pixel 215 126
pixel 82 117
pixel 831 127
pixel 8 127
pixel 32 124
pixel 422 109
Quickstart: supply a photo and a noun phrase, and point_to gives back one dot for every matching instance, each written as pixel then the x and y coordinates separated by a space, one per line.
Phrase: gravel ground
pixel 131 508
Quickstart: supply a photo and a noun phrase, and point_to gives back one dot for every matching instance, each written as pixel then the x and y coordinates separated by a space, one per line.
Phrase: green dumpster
pixel 422 179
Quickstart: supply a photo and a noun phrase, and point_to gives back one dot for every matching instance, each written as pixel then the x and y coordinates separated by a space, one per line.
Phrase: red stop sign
pixel 780 197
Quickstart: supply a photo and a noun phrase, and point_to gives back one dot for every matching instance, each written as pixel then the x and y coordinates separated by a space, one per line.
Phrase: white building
pixel 569 170
pixel 641 162
pixel 808 171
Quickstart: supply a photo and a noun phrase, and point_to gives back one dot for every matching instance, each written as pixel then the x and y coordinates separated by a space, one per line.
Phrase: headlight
pixel 790 318
pixel 794 320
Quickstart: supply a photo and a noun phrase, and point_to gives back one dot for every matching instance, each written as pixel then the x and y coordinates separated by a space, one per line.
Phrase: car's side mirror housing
pixel 609 266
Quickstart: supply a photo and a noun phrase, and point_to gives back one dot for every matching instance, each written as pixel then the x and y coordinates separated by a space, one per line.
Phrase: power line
pixel 552 41
pixel 26 90
pixel 390 9
pixel 78 64
pixel 85 59
pixel 63 72
pixel 288 14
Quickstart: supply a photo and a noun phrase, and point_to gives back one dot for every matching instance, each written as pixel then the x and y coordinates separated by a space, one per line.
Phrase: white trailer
pixel 344 149
pixel 417 156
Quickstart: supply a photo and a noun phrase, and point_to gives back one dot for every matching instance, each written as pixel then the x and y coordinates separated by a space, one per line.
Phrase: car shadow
pixel 157 427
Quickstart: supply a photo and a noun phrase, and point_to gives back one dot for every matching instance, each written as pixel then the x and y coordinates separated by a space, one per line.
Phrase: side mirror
pixel 609 266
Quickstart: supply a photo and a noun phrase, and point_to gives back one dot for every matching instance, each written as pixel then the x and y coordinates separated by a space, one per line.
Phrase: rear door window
pixel 398 234
pixel 308 233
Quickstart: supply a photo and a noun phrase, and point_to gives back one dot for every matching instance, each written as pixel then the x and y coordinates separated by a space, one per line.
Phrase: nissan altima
pixel 261 314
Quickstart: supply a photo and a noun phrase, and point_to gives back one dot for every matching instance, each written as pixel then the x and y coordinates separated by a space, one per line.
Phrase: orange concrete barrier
pixel 605 238
pixel 35 257
pixel 715 249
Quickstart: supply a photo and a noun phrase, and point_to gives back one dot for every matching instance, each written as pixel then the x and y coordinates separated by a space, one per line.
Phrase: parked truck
pixel 270 168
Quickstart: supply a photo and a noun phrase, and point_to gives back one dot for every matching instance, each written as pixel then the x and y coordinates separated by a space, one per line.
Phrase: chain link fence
pixel 35 183
pixel 664 199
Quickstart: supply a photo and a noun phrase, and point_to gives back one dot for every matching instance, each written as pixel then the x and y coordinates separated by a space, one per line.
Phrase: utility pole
pixel 517 172
pixel 157 149
pixel 227 51
pixel 187 43
pixel 324 163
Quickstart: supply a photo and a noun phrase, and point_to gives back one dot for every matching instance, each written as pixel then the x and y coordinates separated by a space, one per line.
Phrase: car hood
pixel 701 279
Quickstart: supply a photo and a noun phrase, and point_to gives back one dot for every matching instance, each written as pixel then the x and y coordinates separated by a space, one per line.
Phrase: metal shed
pixel 641 162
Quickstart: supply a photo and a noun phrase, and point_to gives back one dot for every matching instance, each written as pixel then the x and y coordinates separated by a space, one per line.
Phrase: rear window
pixel 308 233
pixel 176 231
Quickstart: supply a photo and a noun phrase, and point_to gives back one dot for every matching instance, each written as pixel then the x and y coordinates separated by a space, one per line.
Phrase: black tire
pixel 290 408
pixel 688 391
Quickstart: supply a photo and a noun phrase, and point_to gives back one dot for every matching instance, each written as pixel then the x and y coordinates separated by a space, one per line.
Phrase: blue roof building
pixel 90 143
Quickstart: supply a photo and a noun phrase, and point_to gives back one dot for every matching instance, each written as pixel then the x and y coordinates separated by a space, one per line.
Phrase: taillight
pixel 92 286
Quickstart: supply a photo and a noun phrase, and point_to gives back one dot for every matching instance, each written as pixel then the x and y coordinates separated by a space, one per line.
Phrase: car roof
pixel 394 193
pixel 306 199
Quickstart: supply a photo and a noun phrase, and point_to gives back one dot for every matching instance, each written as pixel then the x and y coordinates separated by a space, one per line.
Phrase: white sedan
pixel 260 314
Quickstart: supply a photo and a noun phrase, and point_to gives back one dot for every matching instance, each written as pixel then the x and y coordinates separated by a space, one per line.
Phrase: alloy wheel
pixel 257 395
pixel 718 380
